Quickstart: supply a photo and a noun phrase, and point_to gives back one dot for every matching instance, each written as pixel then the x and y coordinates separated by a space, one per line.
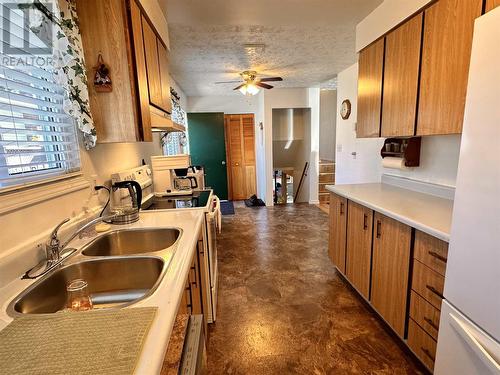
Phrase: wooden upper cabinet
pixel 447 43
pixel 390 270
pixel 359 247
pixel 492 4
pixel 104 32
pixel 371 63
pixel 166 102
pixel 152 64
pixel 138 63
pixel 401 73
pixel 337 231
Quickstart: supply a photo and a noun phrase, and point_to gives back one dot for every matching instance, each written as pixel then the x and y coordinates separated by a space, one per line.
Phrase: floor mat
pixel 227 208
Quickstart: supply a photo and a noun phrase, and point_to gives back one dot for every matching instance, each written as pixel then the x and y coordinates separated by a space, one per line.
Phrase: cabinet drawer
pixel 426 315
pixel 428 283
pixel 431 251
pixel 422 344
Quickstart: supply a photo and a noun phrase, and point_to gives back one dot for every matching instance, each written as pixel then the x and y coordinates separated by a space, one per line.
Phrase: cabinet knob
pixel 365 221
pixel 379 228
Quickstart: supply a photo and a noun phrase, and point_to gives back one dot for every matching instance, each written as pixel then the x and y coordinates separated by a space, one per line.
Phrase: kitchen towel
pixel 93 342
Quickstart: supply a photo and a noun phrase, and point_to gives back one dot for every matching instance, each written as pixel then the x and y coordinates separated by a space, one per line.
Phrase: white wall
pixel 291 98
pixel 230 104
pixel 365 166
pixel 385 17
pixel 438 161
pixel 328 120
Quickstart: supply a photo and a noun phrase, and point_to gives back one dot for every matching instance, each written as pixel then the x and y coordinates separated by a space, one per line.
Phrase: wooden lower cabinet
pixel 337 231
pixel 390 270
pixel 428 283
pixel 423 345
pixel 359 247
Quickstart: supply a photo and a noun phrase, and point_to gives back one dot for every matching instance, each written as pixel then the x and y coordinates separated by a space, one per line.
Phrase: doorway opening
pixel 291 154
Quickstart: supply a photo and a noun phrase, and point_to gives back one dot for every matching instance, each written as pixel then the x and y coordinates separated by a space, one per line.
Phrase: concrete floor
pixel 282 307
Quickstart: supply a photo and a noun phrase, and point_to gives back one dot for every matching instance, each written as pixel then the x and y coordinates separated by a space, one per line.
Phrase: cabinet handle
pixel 428 354
pixel 341 208
pixel 365 221
pixel 379 228
pixel 431 323
pixel 190 304
pixel 438 257
pixel 434 290
pixel 195 278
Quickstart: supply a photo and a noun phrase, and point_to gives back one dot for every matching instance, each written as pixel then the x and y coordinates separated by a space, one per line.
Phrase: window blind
pixel 37 138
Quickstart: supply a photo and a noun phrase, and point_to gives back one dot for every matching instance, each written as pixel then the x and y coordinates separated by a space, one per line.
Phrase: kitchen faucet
pixel 55 252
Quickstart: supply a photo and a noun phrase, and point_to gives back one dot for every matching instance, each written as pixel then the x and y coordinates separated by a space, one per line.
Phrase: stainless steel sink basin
pixel 132 241
pixel 112 282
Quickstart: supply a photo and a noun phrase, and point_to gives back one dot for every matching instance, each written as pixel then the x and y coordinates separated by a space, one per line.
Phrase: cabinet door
pixel 141 74
pixel 492 4
pixel 337 231
pixel 402 63
pixel 359 247
pixel 371 62
pixel 166 102
pixel 152 64
pixel 390 270
pixel 446 51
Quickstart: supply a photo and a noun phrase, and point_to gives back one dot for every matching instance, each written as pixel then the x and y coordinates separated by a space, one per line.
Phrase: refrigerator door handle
pixel 475 344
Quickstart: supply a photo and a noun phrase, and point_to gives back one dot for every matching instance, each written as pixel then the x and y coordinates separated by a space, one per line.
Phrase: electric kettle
pixel 126 213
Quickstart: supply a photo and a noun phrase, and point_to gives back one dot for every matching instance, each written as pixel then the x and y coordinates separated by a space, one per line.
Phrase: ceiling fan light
pixel 243 89
pixel 252 89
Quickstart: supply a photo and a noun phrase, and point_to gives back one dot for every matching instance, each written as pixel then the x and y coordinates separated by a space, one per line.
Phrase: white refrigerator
pixel 469 335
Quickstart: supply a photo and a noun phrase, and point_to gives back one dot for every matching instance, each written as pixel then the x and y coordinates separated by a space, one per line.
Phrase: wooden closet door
pixel 236 167
pixel 492 4
pixel 371 63
pixel 359 247
pixel 248 137
pixel 390 270
pixel 402 63
pixel 240 150
pixel 446 51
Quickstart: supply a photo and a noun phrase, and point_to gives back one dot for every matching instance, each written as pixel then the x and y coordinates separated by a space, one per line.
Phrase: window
pixel 37 138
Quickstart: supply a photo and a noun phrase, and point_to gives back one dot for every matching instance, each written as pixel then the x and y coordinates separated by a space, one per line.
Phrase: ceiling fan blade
pixel 221 82
pixel 240 86
pixel 271 79
pixel 264 85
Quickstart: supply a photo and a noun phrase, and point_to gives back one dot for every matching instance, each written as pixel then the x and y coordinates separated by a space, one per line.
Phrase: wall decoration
pixel 345 109
pixel 102 76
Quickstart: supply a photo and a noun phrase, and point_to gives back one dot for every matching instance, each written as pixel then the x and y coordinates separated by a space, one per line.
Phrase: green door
pixel 208 148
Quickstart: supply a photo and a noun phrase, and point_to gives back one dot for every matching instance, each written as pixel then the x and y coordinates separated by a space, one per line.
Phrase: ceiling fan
pixel 251 84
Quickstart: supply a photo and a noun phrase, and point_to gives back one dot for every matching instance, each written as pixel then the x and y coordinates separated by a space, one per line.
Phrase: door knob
pixel 236 164
pixel 223 162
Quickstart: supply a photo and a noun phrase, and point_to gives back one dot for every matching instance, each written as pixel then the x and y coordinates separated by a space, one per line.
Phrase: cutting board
pixel 93 342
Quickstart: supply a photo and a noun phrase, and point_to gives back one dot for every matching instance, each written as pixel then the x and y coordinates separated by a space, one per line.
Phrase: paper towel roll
pixel 394 163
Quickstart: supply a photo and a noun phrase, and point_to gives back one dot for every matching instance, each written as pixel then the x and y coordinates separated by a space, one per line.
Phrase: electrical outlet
pixel 339 148
pixel 93 184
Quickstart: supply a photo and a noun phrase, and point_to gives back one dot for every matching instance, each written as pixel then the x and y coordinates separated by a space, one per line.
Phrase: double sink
pixel 121 267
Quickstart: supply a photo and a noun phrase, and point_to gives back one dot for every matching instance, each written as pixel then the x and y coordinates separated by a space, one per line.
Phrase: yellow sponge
pixel 102 227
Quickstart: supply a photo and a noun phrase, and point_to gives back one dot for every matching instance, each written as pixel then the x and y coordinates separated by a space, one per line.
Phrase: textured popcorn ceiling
pixel 307 42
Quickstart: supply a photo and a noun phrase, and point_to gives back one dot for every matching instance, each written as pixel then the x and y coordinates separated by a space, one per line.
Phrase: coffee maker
pixel 173 175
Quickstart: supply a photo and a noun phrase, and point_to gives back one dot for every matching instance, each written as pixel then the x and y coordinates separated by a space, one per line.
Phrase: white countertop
pixel 427 213
pixel 166 297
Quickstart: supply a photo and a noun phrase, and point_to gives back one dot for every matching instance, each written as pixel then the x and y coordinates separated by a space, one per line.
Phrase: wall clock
pixel 345 109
